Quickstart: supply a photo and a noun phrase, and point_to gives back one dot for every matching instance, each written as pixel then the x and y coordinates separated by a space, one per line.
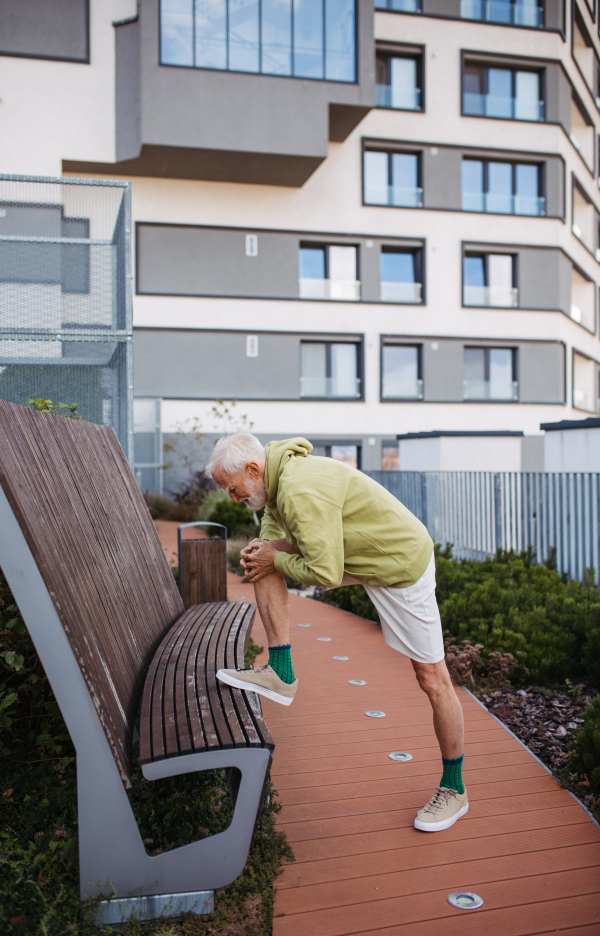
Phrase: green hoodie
pixel 340 521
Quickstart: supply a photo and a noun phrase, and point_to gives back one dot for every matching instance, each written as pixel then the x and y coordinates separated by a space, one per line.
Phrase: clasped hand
pixel 258 560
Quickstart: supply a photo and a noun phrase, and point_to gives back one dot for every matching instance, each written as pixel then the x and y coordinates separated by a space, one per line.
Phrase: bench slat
pixel 235 650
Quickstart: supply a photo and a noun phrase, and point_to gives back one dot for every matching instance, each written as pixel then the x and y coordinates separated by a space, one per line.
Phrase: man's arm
pixel 316 525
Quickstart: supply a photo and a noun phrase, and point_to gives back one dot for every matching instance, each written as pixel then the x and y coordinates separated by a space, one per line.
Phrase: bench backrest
pixel 97 549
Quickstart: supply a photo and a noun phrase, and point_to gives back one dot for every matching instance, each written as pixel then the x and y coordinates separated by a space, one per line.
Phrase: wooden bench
pixel 84 562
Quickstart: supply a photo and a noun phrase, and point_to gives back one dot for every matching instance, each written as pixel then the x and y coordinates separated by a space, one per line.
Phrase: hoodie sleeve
pixel 269 528
pixel 316 525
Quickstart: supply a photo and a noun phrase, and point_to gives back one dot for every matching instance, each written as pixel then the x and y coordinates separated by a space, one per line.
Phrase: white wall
pixel 572 449
pixel 461 453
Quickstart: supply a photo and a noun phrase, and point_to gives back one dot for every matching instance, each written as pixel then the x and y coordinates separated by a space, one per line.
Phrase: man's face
pixel 247 487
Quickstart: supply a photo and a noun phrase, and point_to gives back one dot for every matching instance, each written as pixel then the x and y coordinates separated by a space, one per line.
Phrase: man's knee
pixel 433 678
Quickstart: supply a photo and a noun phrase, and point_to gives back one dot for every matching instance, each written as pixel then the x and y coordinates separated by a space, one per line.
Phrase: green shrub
pixel 585 758
pixel 236 517
pixel 352 598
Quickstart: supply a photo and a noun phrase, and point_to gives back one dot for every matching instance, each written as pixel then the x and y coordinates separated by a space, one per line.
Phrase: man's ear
pixel 253 470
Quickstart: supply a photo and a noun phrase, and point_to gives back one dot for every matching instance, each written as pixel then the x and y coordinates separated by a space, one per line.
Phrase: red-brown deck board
pixel 526 846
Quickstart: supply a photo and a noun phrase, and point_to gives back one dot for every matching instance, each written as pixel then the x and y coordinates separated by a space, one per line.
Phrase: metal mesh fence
pixel 477 511
pixel 65 296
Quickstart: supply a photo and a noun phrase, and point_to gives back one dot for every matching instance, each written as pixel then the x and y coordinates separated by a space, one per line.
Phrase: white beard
pixel 258 499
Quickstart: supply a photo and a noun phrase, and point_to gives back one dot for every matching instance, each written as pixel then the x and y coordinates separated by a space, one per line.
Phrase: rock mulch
pixel 544 718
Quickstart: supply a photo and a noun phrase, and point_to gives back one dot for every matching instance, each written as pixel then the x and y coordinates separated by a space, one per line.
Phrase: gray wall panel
pixel 208 365
pixel 554 187
pixel 443 371
pixel 442 178
pixel 199 261
pixel 558 96
pixel 554 14
pixel 127 91
pixel 442 7
pixel 541 373
pixel 539 273
pixel 55 29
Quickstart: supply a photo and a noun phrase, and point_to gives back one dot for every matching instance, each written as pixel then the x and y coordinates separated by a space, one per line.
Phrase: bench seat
pixel 185 708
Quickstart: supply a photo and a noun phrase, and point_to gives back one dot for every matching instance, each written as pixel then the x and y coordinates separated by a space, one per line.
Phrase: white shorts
pixel 410 618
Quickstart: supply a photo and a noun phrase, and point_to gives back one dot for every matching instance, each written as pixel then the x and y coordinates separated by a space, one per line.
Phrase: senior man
pixel 330 525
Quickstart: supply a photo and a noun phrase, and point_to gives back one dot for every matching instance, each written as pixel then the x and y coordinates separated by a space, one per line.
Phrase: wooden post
pixel 203 571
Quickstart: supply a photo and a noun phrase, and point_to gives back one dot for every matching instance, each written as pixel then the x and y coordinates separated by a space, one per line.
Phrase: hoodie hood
pixel 278 455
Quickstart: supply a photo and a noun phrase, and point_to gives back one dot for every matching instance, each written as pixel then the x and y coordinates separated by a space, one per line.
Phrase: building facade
pixel 359 222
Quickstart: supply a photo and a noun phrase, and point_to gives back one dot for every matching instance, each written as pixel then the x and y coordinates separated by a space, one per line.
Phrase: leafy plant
pixel 47 406
pixel 585 758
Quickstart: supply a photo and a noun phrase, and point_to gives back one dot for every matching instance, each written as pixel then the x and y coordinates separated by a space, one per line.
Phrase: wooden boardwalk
pixel 526 847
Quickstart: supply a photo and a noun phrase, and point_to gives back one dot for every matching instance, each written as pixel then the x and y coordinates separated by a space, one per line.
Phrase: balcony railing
pixel 348 290
pixel 401 6
pixel 394 195
pixel 504 204
pixel 510 108
pixel 491 390
pixel 496 11
pixel 334 387
pixel 402 388
pixel 401 292
pixel 400 98
pixel 493 296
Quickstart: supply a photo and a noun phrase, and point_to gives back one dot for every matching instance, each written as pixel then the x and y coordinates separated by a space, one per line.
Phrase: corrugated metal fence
pixel 478 512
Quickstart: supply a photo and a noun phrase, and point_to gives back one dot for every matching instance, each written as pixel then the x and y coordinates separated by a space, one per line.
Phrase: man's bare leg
pixel 274 608
pixel 434 680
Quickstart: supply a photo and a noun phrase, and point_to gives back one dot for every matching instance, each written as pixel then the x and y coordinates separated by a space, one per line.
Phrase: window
pixel 501 187
pixel 147 444
pixel 401 372
pixel 502 92
pixel 583 52
pixel 583 300
pixel 392 179
pixel 400 6
pixel 398 82
pixel 390 456
pixel 489 374
pixel 488 280
pixel 585 220
pixel 304 38
pixel 583 134
pixel 400 275
pixel 585 383
pixel 329 369
pixel 516 12
pixel 349 454
pixel 328 271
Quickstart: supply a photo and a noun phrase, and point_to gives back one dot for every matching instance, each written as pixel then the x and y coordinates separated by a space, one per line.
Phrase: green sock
pixel 452 775
pixel 280 659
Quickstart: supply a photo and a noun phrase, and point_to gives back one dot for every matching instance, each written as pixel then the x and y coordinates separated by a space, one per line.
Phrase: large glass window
pixel 400 6
pixel 348 453
pixel 489 280
pixel 585 384
pixel 328 271
pixel 502 92
pixel 502 188
pixel 329 369
pixel 489 374
pixel 401 372
pixel 515 12
pixel 398 82
pixel 392 179
pixel 304 38
pixel 400 275
pixel 147 445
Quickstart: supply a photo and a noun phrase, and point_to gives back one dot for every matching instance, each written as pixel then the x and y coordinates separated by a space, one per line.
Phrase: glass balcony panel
pixel 487 105
pixel 401 292
pixel 401 6
pixel 521 12
pixel 473 201
pixel 491 390
pixel 499 106
pixel 329 289
pixel 530 205
pixel 400 98
pixel 475 104
pixel 402 388
pixel 497 203
pixel 528 110
pixel 330 387
pixel 402 197
pixel 493 296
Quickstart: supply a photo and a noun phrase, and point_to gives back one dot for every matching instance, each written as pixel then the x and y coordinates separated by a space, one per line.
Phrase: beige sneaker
pixel 263 680
pixel 442 810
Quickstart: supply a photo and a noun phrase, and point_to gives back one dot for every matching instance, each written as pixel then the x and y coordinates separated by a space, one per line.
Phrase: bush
pixel 236 517
pixel 585 758
pixel 351 598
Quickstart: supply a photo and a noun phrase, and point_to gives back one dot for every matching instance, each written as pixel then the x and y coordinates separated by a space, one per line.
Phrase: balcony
pixel 330 387
pixel 534 206
pixel 507 391
pixel 503 297
pixel 496 11
pixel 395 195
pixel 399 98
pixel 508 108
pixel 401 292
pixel 401 388
pixel 346 290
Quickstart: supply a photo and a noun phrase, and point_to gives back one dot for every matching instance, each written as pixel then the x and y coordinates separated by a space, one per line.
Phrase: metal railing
pixel 556 514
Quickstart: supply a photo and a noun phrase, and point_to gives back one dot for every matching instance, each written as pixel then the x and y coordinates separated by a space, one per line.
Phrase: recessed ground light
pixel 375 714
pixel 465 900
pixel 239 597
pixel 303 625
pixel 324 639
pixel 356 682
pixel 341 658
pixel 399 756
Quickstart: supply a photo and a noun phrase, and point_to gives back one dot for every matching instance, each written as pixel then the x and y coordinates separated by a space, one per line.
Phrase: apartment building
pixel 358 221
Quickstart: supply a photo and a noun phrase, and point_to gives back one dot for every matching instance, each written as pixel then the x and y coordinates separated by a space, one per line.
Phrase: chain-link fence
pixel 65 296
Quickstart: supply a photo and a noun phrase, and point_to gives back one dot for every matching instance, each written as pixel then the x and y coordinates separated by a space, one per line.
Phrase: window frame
pixel 470 252
pixel 513 164
pixel 576 184
pixel 419 265
pixel 407 51
pixel 387 341
pixel 513 68
pixel 401 151
pixel 328 443
pixel 588 357
pixel 359 346
pixel 515 369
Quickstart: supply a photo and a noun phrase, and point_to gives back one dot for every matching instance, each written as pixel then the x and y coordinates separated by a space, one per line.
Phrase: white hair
pixel 232 453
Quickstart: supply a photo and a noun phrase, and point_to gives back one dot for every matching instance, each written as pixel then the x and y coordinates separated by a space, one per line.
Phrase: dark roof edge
pixel 436 433
pixel 591 422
